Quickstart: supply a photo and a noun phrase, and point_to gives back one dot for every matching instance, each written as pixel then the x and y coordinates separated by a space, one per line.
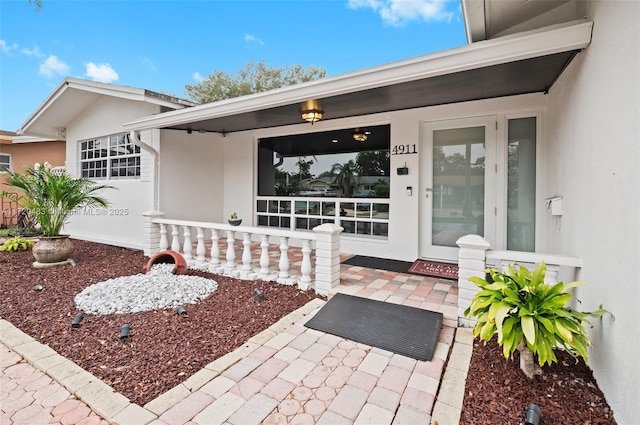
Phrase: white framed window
pixel 6 163
pixel 110 158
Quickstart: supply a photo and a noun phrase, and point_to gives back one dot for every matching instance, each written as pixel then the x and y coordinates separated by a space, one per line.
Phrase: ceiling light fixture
pixel 360 135
pixel 311 111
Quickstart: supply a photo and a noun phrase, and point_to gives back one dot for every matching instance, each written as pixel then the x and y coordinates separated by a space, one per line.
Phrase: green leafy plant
pixel 51 196
pixel 16 243
pixel 233 216
pixel 529 315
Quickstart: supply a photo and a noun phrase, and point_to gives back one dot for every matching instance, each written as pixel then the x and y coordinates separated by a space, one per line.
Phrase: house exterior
pixel 17 152
pixel 529 136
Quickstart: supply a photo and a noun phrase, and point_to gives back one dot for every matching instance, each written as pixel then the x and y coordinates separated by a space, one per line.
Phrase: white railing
pixel 475 256
pixel 212 247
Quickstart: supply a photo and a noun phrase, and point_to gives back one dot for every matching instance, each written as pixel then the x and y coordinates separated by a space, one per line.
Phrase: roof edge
pixel 574 35
pixel 125 92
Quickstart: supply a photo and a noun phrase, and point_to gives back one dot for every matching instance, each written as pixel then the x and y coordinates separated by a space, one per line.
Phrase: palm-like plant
pixel 346 177
pixel 529 315
pixel 53 197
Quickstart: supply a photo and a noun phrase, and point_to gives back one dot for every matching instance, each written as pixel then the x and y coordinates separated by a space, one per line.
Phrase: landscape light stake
pixel 124 331
pixel 180 311
pixel 77 320
pixel 533 415
pixel 259 294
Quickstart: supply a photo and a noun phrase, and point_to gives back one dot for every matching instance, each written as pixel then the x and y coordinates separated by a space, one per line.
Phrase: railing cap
pixel 473 242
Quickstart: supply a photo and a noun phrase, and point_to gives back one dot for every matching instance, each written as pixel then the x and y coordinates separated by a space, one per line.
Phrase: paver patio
pixel 287 374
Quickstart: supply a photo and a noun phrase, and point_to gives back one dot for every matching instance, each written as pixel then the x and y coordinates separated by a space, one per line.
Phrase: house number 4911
pixel 404 149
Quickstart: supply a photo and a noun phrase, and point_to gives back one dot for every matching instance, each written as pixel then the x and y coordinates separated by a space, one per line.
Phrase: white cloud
pixel 197 76
pixel 32 52
pixel 149 63
pixel 7 48
pixel 398 12
pixel 102 73
pixel 53 66
pixel 253 39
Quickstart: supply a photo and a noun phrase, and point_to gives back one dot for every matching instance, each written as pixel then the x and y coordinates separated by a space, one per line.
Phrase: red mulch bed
pixel 497 392
pixel 164 348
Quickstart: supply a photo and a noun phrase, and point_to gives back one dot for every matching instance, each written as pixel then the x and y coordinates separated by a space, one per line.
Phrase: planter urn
pixel 52 249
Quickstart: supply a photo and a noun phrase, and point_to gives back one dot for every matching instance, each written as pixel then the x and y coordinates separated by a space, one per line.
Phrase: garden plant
pixel 530 316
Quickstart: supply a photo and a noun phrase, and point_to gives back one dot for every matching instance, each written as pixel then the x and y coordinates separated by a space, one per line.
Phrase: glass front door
pixel 456 184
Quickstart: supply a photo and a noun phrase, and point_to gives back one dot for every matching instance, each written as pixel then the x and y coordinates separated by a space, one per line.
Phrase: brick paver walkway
pixel 288 374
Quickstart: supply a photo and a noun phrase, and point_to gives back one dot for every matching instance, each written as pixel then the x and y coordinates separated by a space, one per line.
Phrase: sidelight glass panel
pixel 458 184
pixel 521 187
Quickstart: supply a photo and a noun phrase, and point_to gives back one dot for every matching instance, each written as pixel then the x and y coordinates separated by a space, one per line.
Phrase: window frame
pixel 103 160
pixel 9 167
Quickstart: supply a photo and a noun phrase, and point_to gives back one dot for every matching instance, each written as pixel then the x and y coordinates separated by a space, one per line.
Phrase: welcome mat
pixel 431 268
pixel 378 263
pixel 409 331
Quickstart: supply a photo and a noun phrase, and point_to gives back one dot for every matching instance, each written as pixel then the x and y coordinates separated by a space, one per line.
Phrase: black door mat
pixel 410 331
pixel 379 263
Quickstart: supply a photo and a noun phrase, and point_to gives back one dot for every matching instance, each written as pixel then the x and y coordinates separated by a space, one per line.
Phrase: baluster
pixel 175 241
pixel 164 243
pixel 187 242
pixel 284 258
pixel 246 253
pixel 231 252
pixel 215 248
pixel 305 268
pixel 200 250
pixel 264 256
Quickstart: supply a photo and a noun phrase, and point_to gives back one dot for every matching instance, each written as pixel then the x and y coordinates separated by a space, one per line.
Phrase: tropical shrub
pixel 529 315
pixel 16 243
pixel 52 197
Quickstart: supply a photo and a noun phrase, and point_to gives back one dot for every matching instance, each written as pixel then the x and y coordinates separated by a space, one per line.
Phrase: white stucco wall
pixel 593 146
pixel 122 223
pixel 191 176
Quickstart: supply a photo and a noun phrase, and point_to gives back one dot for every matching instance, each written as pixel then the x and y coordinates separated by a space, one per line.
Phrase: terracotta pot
pixel 170 257
pixel 52 249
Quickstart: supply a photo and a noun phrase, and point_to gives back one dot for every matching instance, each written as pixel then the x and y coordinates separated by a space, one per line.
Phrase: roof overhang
pixel 521 63
pixel 74 95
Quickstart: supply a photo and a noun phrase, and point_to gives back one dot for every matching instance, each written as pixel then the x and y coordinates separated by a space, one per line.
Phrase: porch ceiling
pixel 526 76
pixel 528 62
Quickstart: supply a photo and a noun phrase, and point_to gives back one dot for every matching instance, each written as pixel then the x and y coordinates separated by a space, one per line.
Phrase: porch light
pixel 360 135
pixel 311 111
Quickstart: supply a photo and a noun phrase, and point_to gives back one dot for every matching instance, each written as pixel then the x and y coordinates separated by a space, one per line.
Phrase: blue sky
pixel 163 45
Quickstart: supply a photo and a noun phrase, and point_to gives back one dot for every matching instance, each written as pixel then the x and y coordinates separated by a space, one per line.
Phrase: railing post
pixel 175 241
pixel 284 260
pixel 215 250
pixel 151 232
pixel 327 257
pixel 305 267
pixel 246 253
pixel 231 253
pixel 471 262
pixel 264 256
pixel 164 242
pixel 200 249
pixel 187 243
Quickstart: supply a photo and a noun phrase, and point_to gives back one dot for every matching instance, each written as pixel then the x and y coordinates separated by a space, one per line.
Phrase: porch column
pixel 471 262
pixel 151 233
pixel 327 257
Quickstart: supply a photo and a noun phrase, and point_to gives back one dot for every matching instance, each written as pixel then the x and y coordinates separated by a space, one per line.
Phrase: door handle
pixel 428 190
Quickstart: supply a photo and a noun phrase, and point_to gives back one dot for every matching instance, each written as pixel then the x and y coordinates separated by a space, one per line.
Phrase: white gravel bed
pixel 157 289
